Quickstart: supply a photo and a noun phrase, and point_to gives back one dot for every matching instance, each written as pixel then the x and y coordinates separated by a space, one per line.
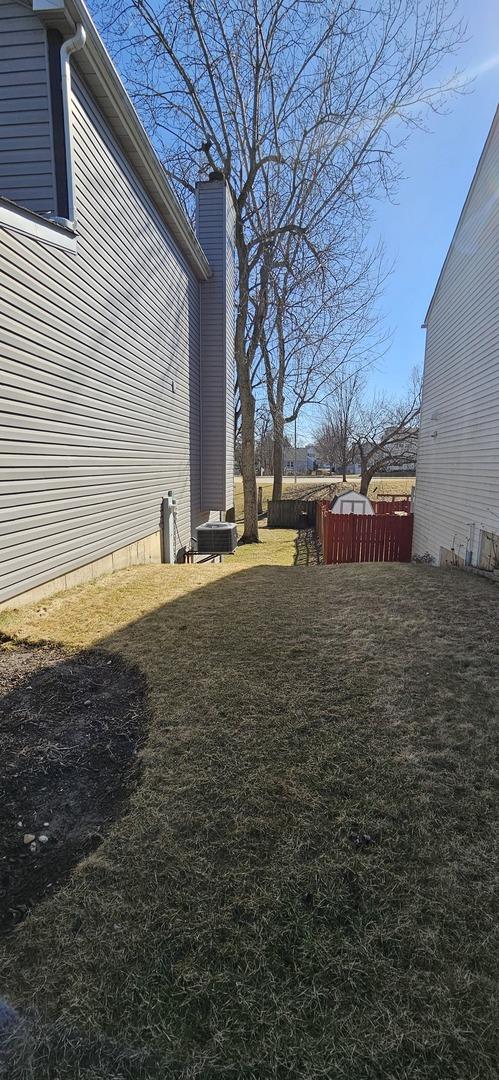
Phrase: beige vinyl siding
pixel 457 489
pixel 26 158
pixel 100 375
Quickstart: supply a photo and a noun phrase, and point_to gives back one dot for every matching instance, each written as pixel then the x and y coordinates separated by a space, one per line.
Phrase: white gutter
pixel 71 45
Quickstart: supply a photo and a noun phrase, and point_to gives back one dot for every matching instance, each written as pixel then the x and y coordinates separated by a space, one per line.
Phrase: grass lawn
pixel 305 883
pixel 239 498
pixel 310 487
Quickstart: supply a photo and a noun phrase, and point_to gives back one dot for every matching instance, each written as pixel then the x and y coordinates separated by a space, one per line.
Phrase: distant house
pixel 457 479
pixel 402 453
pixel 335 468
pixel 117 318
pixel 306 460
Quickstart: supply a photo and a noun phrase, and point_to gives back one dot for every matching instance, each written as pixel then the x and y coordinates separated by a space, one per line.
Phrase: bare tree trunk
pixel 278 449
pixel 275 395
pixel 250 534
pixel 344 444
pixel 366 475
pixel 246 397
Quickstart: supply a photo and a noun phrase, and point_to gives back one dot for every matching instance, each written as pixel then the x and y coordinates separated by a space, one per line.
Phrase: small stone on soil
pixel 28 838
pixel 43 839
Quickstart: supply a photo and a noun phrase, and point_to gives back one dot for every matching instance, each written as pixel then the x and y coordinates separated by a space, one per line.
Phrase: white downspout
pixel 71 45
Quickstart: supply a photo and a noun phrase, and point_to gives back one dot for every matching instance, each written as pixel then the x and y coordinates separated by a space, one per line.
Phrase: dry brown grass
pixel 391 485
pixel 326 489
pixel 314 487
pixel 239 500
pixel 304 885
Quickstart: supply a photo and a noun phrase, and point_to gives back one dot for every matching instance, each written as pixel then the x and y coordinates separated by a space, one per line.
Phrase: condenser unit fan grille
pixel 216 538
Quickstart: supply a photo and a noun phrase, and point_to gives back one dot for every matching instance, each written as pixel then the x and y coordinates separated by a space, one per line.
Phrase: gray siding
pixel 457 483
pixel 230 375
pixel 100 375
pixel 215 226
pixel 26 159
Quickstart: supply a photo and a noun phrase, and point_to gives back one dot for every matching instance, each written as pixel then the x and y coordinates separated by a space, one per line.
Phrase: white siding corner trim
pixel 17 220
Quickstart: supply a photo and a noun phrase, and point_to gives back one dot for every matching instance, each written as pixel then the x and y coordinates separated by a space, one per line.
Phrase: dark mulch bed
pixel 70 727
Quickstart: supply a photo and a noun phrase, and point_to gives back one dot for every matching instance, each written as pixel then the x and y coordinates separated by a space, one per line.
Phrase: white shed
pixel 351 502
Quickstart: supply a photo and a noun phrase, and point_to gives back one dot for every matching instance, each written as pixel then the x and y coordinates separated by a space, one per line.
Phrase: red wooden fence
pixel 362 537
pixel 383 506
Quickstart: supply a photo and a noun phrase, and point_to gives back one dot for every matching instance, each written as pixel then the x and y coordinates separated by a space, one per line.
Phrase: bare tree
pixel 237 452
pixel 264 442
pixel 301 106
pixel 342 404
pixel 319 326
pixel 385 433
pixel 327 441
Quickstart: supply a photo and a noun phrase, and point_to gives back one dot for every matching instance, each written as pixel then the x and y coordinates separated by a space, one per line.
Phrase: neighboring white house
pixel 457 479
pixel 305 460
pixel 404 452
pixel 335 468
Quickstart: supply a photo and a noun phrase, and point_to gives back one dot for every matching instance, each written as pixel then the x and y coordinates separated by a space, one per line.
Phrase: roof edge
pixel 115 103
pixel 492 128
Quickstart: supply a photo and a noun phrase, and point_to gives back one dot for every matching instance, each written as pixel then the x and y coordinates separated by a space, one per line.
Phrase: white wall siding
pixel 26 160
pixel 457 489
pixel 100 376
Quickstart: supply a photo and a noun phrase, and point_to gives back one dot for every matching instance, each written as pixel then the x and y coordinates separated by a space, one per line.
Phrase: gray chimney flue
pixel 215 229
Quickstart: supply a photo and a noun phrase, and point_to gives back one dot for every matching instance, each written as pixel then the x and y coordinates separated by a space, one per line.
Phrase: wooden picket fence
pixel 348 538
pixel 392 506
pixel 290 514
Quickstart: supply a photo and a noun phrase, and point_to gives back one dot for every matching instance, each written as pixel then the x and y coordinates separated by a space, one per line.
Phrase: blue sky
pixel 438 168
pixel 417 226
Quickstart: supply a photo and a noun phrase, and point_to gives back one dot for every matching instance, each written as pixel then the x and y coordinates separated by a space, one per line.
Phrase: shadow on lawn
pixel 304 883
pixel 308 549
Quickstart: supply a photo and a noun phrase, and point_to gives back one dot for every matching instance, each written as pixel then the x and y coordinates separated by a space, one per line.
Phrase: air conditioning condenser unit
pixel 216 538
